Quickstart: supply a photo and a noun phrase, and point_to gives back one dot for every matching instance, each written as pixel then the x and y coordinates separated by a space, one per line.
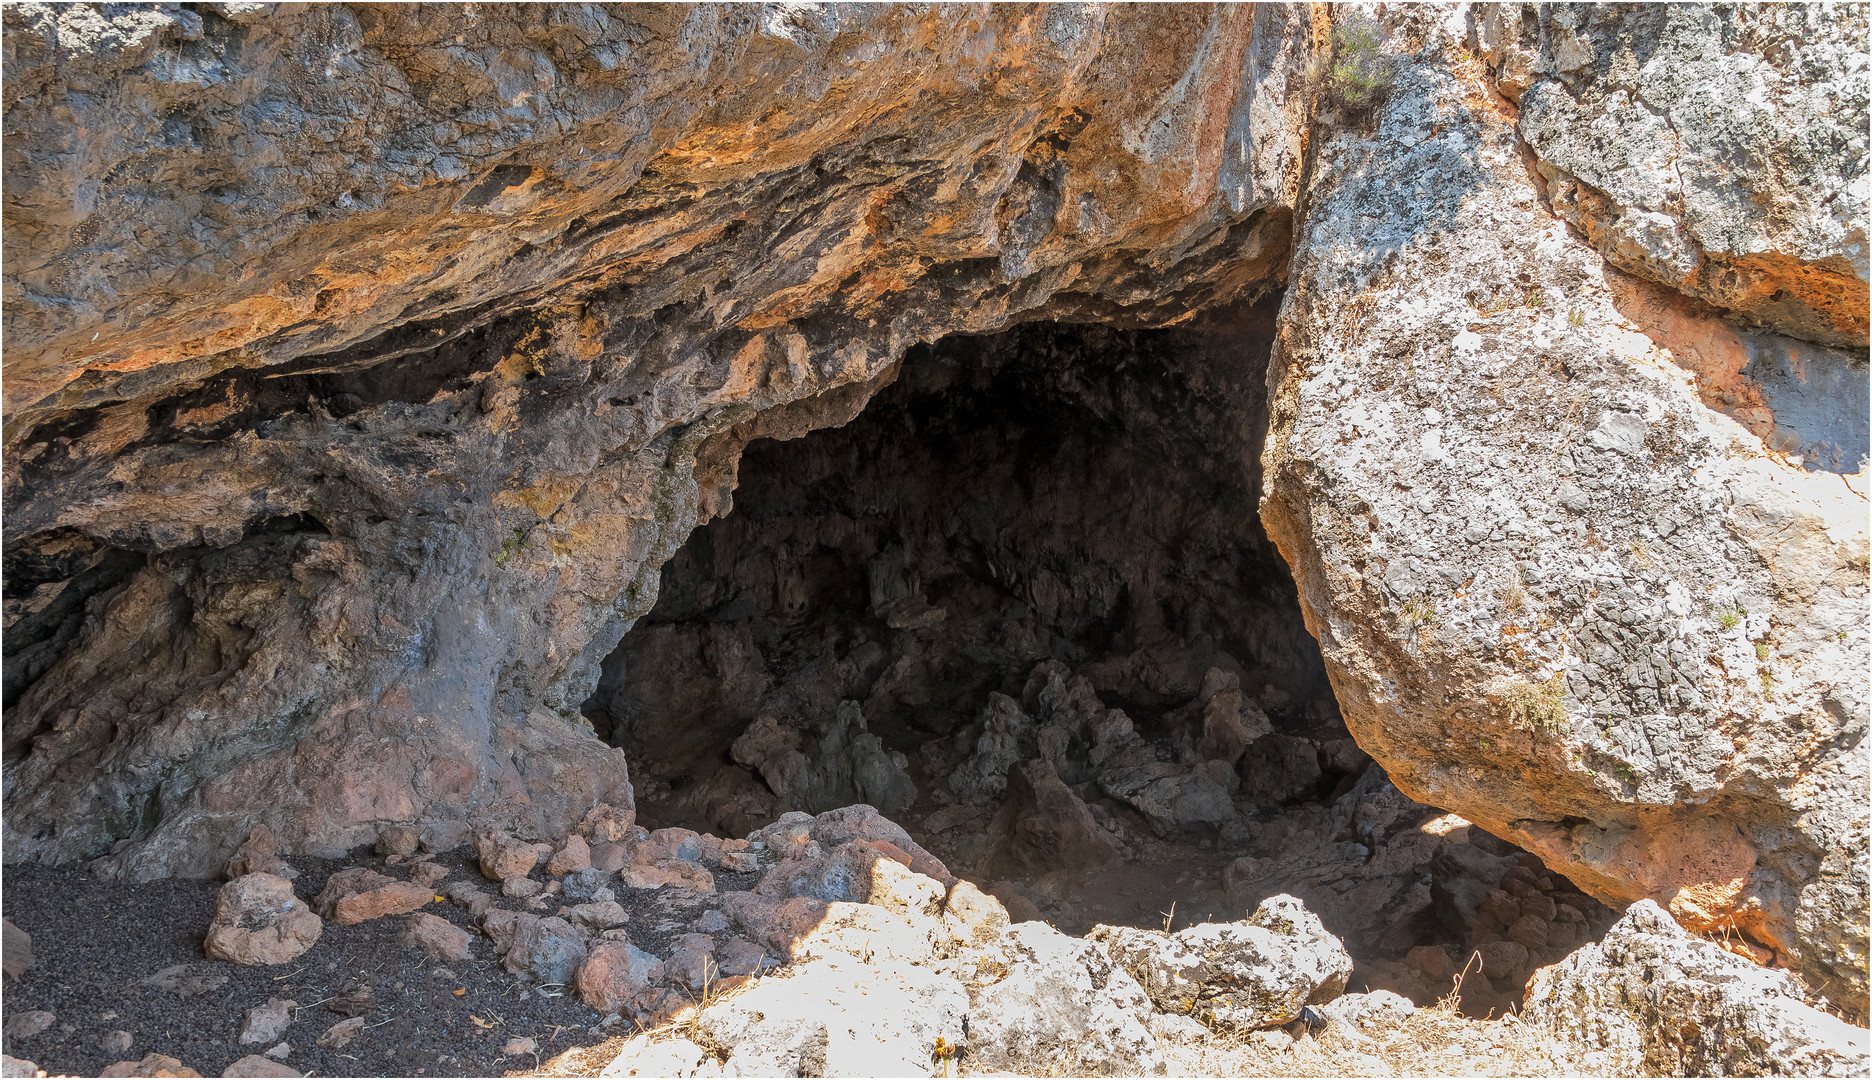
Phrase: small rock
pixel 607 824
pixel 521 887
pixel 397 840
pixel 16 954
pixel 1274 1040
pixel 280 1052
pixel 600 916
pixel 503 857
pixel 641 1057
pixel 574 854
pixel 339 1035
pixel 581 886
pixel 12 1066
pixel 546 951
pixel 610 858
pixel 255 1065
pixel 436 936
pixel 258 920
pixel 116 1042
pixel 259 854
pixel 440 837
pixel 739 862
pixel 466 894
pixel 1174 1027
pixel 739 956
pixel 615 974
pixel 427 874
pixel 359 895
pixel 266 1023
pixel 151 1065
pixel 519 1047
pixel 691 965
pixel 27 1024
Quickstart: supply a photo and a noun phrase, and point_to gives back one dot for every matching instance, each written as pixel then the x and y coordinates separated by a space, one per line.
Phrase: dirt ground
pixel 97 944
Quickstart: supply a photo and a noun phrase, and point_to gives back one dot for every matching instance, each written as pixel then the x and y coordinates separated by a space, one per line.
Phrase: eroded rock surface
pixel 1557 592
pixel 366 366
pixel 1659 1001
pixel 414 419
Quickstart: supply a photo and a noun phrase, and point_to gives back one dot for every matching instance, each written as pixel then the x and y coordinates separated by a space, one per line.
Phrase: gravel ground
pixel 97 943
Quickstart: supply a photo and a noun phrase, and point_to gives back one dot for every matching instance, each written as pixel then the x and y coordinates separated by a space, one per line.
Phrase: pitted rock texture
pixel 1721 152
pixel 1555 591
pixel 1657 1001
pixel 332 527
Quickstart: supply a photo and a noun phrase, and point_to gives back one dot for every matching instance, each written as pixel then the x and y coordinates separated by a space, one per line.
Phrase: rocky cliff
pixel 366 364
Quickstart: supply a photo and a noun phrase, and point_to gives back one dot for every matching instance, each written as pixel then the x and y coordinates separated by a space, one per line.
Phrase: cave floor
pixel 97 944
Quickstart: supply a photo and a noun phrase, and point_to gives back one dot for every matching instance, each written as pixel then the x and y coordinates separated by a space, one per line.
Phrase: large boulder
pixel 837 1016
pixel 1655 1000
pixel 1256 973
pixel 258 920
pixel 1558 589
pixel 1060 1005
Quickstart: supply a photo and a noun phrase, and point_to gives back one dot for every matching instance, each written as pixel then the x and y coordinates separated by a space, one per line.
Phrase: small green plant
pixel 1419 612
pixel 1761 650
pixel 1361 75
pixel 511 546
pixel 1730 619
pixel 1533 706
pixel 1576 318
pixel 1767 684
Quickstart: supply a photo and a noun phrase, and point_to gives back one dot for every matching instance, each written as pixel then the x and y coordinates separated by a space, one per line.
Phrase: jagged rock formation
pixel 451 301
pixel 1556 591
pixel 364 367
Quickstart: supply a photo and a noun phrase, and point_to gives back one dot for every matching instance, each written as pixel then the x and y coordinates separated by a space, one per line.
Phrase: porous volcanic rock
pixel 365 365
pixel 414 416
pixel 1556 592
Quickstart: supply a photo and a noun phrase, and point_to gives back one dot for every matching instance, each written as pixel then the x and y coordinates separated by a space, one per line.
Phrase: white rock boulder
pixel 1062 1008
pixel 1658 1001
pixel 1243 975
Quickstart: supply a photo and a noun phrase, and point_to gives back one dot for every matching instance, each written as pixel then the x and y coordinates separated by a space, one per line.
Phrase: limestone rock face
pixel 1703 150
pixel 1557 592
pixel 1257 973
pixel 1061 1006
pixel 1659 1001
pixel 397 376
pixel 836 1016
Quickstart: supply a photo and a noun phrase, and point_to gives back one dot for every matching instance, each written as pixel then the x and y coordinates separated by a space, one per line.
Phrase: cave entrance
pixel 1023 604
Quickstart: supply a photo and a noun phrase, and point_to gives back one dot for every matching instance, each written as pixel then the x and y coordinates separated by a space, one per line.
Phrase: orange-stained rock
pixel 357 895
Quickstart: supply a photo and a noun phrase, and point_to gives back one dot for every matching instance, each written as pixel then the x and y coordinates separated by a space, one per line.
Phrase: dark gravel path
pixel 95 942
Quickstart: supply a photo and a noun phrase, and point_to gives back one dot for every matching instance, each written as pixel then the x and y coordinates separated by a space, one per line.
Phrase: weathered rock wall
pixel 1556 590
pixel 359 357
pixel 364 364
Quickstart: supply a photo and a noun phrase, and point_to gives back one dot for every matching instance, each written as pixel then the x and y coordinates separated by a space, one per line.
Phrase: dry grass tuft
pixel 1436 1041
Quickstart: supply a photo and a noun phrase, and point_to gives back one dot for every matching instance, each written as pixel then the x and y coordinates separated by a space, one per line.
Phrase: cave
pixel 1018 604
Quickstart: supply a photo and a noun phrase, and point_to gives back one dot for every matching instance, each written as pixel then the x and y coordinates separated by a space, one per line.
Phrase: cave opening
pixel 1024 605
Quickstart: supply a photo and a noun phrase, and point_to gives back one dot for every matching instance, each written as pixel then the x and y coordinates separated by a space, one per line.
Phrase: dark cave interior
pixel 1023 605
